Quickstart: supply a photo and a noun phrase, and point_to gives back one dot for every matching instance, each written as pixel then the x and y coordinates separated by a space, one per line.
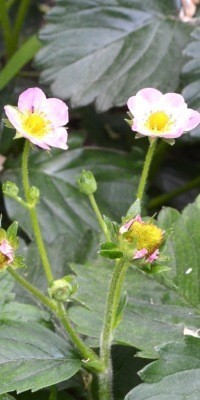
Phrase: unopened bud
pixel 62 289
pixel 10 189
pixel 86 182
pixel 34 193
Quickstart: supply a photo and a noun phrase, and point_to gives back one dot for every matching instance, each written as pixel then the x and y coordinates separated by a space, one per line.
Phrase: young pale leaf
pixel 105 51
pixel 33 357
pixel 175 376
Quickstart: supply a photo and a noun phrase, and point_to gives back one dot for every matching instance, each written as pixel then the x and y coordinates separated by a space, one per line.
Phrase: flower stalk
pixel 146 167
pixel 33 214
pixel 99 216
pixel 105 378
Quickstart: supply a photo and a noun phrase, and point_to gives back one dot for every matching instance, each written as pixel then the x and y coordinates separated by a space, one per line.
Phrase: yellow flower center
pixel 3 260
pixel 158 121
pixel 36 125
pixel 146 235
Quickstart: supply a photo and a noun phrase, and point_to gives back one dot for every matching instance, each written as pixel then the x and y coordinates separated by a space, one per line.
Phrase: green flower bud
pixel 86 182
pixel 62 289
pixel 34 194
pixel 10 189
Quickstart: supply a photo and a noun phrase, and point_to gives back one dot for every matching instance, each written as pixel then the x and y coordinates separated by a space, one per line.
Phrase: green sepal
pixel 169 141
pixel 7 123
pixel 112 227
pixel 17 135
pixel 18 262
pixel 2 234
pixel 129 122
pixel 120 310
pixel 155 269
pixel 110 250
pixel 11 234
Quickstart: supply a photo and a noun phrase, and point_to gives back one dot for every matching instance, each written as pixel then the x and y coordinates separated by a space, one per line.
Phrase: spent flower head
pixel 144 239
pixel 39 119
pixel 161 115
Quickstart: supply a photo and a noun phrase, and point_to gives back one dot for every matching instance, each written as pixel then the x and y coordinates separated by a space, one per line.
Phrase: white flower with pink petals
pixel 39 119
pixel 6 254
pixel 161 115
pixel 145 237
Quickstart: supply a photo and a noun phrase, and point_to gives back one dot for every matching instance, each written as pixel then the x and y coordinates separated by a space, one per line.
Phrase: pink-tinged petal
pixel 138 219
pixel 150 95
pixel 7 250
pixel 32 99
pixel 38 142
pixel 137 106
pixel 57 111
pixel 57 139
pixel 192 119
pixel 14 116
pixel 124 228
pixel 153 256
pixel 140 254
pixel 173 100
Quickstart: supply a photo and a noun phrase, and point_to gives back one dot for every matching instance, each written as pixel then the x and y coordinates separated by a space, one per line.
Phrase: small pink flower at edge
pixel 39 119
pixel 161 115
pixel 6 253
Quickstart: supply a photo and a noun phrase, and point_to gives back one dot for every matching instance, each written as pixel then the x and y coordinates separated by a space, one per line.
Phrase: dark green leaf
pixel 176 373
pixel 6 397
pixel 14 311
pixel 106 51
pixel 6 286
pixel 32 357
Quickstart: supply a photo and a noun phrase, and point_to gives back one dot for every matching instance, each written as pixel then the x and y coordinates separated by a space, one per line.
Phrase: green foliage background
pixel 95 54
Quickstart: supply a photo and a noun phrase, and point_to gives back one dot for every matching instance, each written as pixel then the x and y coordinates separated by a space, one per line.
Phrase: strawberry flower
pixel 6 254
pixel 145 237
pixel 161 115
pixel 39 119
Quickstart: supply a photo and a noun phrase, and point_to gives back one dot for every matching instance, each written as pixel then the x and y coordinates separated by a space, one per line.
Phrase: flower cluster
pixel 161 115
pixel 40 120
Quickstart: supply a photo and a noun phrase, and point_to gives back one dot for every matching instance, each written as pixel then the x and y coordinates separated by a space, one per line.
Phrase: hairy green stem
pixel 145 170
pixel 33 214
pixel 6 28
pixel 99 216
pixel 58 309
pixel 33 290
pixel 105 379
pixel 164 198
